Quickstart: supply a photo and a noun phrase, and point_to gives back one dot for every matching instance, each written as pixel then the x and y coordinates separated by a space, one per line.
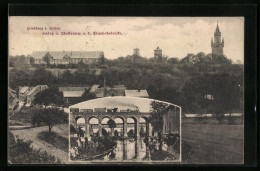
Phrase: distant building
pixel 23 92
pixel 117 90
pixel 157 53
pixel 136 52
pixel 136 93
pixel 209 96
pixel 12 99
pixel 93 88
pixel 27 94
pixel 28 60
pixel 67 57
pixel 71 94
pixel 62 89
pixel 216 44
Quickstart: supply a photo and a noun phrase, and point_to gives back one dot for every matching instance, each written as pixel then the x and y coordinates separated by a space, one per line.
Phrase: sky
pixel 176 36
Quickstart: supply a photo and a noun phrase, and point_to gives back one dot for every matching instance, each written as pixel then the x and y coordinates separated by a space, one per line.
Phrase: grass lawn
pixel 24 116
pixel 57 147
pixel 212 143
pixel 54 139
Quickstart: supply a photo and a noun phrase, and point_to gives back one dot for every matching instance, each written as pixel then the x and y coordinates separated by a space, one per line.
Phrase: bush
pixel 55 140
pixel 220 118
pixel 171 139
pixel 131 133
pixel 72 130
pixel 104 143
pixel 104 132
pixel 21 152
pixel 73 142
pixel 97 146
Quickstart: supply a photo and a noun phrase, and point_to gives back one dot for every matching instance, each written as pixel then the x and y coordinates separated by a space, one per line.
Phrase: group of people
pixel 74 152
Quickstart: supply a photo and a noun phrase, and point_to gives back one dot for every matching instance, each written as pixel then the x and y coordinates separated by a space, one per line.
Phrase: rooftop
pixel 11 92
pixel 61 89
pixel 136 93
pixel 121 102
pixel 73 93
pixel 72 54
pixel 93 88
pixel 158 48
pixel 35 88
pixel 23 89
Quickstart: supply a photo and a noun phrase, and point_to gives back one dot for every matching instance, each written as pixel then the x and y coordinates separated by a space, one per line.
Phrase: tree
pixel 173 60
pixel 51 117
pixel 48 96
pixel 104 132
pixel 18 78
pixel 47 58
pixel 32 60
pixel 112 124
pixel 131 133
pixel 220 59
pixel 142 133
pixel 156 118
pixel 226 93
pixel 72 129
pixel 40 76
pixel 67 77
pixel 102 60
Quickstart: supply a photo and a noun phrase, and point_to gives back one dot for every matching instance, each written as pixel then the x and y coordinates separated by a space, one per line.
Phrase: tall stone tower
pixel 217 45
pixel 157 53
pixel 136 52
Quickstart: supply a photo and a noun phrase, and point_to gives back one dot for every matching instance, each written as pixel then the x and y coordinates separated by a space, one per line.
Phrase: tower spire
pixel 216 44
pixel 217 28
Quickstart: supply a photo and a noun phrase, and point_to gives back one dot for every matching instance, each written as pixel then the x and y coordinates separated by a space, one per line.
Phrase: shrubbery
pixel 104 144
pixel 21 152
pixel 97 146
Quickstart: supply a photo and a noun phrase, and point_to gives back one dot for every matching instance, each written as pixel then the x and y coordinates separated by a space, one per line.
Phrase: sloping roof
pixel 72 54
pixel 120 102
pixel 93 88
pixel 73 93
pixel 119 86
pixel 35 88
pixel 11 92
pixel 116 91
pixel 217 29
pixel 158 48
pixel 61 89
pixel 23 89
pixel 136 93
pixel 99 92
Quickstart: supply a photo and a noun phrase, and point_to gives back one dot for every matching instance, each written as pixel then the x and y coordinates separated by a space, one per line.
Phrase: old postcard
pixel 126 90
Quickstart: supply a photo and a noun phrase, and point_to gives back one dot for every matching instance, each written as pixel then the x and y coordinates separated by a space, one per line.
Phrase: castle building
pixel 66 57
pixel 217 45
pixel 136 52
pixel 157 53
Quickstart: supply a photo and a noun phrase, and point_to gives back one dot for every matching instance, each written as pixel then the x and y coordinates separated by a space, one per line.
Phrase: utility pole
pixel 104 86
